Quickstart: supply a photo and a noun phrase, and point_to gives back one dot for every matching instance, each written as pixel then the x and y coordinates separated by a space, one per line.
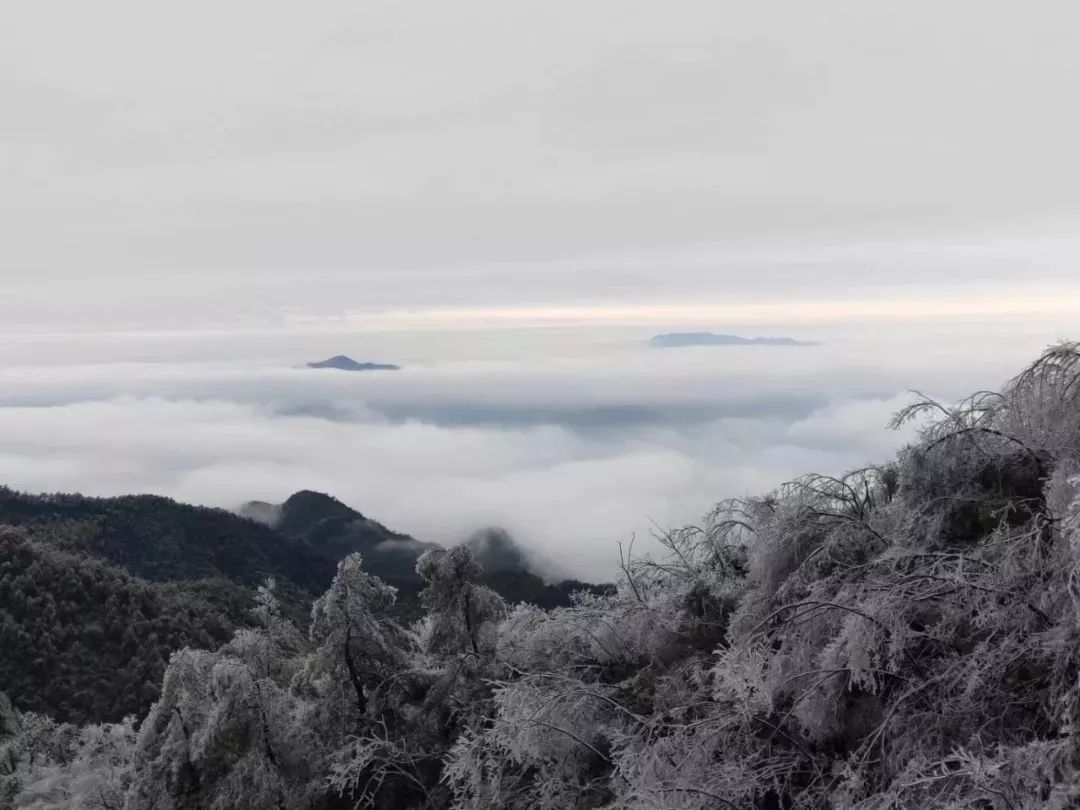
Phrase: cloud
pixel 550 460
pixel 573 440
pixel 571 496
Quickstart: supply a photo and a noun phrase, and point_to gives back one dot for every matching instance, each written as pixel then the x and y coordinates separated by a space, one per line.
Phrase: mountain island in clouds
pixel 341 362
pixel 679 339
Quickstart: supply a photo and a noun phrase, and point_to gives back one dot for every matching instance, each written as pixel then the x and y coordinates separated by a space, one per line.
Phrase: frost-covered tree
pixel 462 614
pixel 45 765
pixel 10 730
pixel 899 637
pixel 228 732
pixel 91 772
pixel 357 645
pixel 428 694
pixel 360 679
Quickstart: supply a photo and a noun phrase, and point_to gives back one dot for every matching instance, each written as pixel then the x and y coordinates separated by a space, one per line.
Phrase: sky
pixel 509 199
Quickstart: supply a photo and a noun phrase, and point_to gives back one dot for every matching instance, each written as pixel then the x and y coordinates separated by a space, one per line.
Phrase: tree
pixel 227 732
pixel 90 770
pixel 356 644
pixel 462 615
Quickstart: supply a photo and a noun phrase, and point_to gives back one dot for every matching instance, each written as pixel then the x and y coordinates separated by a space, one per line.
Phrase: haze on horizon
pixel 509 199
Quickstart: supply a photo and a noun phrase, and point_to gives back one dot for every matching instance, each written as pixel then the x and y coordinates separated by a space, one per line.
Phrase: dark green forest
pixel 97 593
pixel 85 641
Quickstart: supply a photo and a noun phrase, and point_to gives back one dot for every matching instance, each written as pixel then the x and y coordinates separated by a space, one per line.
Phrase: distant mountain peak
pixel 262 512
pixel 342 362
pixel 319 505
pixel 677 339
pixel 496 551
pixel 320 521
pixel 311 496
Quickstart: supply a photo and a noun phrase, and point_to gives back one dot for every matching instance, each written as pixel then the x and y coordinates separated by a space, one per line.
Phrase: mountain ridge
pixel 683 339
pixel 76 572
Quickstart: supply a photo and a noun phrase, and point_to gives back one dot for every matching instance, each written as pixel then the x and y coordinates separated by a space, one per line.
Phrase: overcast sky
pixel 257 163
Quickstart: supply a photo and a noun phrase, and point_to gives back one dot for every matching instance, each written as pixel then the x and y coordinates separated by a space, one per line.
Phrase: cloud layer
pixel 572 452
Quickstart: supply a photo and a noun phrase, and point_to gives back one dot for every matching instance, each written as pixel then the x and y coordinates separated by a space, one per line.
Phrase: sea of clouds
pixel 572 445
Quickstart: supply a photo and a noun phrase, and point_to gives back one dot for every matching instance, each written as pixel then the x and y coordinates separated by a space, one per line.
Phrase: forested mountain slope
pixel 898 638
pixel 97 593
pixel 82 641
pixel 161 540
pixel 330 527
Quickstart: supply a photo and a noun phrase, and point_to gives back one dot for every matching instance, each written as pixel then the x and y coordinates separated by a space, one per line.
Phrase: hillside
pixel 85 641
pixel 161 540
pixel 135 578
pixel 330 527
